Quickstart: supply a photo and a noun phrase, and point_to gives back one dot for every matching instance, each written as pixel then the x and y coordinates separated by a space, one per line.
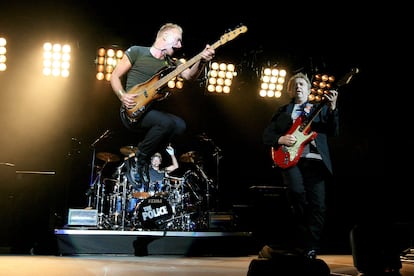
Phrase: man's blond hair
pixel 167 27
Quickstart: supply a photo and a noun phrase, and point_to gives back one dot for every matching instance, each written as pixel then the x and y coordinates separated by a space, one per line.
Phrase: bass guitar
pixel 288 156
pixel 151 90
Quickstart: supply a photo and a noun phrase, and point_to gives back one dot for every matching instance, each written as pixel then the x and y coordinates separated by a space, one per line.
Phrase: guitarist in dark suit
pixel 142 66
pixel 306 177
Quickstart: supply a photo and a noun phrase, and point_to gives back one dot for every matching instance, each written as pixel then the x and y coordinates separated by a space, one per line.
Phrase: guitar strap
pixel 302 110
pixel 170 61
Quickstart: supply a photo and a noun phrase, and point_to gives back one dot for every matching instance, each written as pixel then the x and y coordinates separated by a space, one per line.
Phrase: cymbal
pixel 127 150
pixel 107 156
pixel 188 157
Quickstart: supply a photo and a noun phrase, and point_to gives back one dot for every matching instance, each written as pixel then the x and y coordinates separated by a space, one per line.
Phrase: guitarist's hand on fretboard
pixel 332 97
pixel 148 91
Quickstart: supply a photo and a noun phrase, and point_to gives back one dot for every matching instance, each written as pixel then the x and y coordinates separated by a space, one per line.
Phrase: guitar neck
pixel 180 68
pixel 308 121
pixel 344 80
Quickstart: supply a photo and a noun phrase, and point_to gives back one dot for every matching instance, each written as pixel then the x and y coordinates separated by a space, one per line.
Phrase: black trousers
pixel 160 128
pixel 306 190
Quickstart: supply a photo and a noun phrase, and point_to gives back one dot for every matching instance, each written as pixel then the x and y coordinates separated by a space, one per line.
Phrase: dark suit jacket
pixel 325 123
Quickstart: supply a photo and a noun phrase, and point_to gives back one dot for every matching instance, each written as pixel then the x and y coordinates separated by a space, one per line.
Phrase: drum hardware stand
pixel 123 206
pixel 124 194
pixel 170 224
pixel 118 197
pixel 91 191
pixel 218 156
pixel 123 197
pixel 113 199
pixel 182 215
pixel 208 183
pixel 192 191
pixel 100 192
pixel 180 219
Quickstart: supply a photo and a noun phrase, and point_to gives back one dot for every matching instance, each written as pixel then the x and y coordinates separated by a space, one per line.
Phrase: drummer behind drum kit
pixel 176 204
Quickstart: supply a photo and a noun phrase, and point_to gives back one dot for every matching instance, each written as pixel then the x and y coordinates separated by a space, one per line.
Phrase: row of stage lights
pixel 219 77
pixel 3 52
pixel 56 58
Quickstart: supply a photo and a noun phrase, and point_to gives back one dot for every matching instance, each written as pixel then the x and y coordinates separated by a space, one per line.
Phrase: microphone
pixel 7 164
pixel 203 137
pixel 104 135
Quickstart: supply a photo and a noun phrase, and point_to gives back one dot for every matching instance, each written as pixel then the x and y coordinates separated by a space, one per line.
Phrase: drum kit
pixel 176 204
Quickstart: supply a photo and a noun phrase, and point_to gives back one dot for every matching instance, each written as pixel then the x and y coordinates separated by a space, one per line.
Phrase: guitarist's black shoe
pixel 142 169
pixel 138 171
pixel 143 173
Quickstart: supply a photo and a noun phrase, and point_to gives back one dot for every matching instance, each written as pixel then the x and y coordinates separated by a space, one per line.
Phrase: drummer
pixel 157 173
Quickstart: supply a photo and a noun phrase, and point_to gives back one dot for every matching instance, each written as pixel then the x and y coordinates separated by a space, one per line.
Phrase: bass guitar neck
pixel 150 90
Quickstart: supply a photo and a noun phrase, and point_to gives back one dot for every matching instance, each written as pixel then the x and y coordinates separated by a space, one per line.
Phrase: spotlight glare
pixel 272 81
pixel 220 77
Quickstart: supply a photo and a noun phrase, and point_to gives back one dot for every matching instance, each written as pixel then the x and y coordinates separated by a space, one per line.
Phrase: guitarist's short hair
pixel 299 75
pixel 167 27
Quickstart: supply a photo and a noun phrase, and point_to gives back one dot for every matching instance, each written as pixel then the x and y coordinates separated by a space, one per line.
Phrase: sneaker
pixel 266 252
pixel 269 252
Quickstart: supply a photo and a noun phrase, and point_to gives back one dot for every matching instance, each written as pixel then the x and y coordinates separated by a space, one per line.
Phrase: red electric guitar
pixel 288 156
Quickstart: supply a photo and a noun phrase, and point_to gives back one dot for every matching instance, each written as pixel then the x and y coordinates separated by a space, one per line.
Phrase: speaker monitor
pixel 271 213
pixel 288 265
pixel 374 249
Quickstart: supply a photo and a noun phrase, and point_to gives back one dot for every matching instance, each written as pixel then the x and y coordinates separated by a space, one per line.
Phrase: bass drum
pixel 154 213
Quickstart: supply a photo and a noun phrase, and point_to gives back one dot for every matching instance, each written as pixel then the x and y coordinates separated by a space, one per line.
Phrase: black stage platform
pixel 142 243
pixel 240 232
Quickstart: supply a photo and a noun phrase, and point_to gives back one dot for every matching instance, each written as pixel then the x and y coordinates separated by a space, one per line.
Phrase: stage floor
pixel 153 265
pixel 107 252
pixel 143 243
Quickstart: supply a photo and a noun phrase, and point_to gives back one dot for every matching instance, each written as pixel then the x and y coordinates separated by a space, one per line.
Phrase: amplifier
pixel 223 221
pixel 83 217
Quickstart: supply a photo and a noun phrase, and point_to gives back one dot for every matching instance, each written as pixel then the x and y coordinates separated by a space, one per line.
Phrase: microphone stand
pixel 208 183
pixel 92 178
pixel 218 156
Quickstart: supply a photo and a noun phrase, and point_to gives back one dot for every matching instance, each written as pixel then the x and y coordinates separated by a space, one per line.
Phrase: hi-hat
pixel 188 157
pixel 107 156
pixel 127 150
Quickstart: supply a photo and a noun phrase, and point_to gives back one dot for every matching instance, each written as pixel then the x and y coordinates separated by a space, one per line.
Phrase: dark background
pixel 48 125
